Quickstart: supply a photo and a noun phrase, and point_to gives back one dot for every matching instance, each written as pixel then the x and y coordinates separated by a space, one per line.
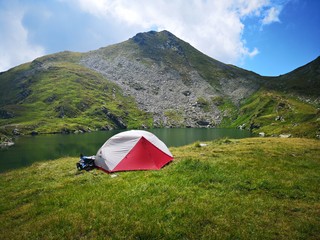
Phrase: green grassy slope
pixel 304 81
pixel 256 188
pixel 278 113
pixel 53 94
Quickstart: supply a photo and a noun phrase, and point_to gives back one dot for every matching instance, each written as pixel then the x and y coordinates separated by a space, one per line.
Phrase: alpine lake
pixel 30 149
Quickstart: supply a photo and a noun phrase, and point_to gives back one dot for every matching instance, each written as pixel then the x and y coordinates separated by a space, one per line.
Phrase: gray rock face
pixel 159 76
pixel 160 90
pixel 238 88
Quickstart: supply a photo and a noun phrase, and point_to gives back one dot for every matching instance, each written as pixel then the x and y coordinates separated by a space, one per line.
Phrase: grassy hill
pixel 303 81
pixel 255 188
pixel 54 94
pixel 276 113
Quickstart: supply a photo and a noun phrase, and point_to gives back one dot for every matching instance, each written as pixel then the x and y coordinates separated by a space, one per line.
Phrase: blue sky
pixel 269 37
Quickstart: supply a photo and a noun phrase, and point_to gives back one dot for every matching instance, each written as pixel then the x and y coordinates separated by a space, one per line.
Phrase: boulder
pixel 285 135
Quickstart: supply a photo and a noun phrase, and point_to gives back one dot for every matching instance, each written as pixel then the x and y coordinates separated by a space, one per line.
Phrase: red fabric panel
pixel 143 156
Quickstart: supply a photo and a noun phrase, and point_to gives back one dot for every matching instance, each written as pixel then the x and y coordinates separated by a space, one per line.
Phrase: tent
pixel 132 150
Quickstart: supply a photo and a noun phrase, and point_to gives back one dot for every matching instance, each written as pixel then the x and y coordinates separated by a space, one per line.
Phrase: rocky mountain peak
pixel 153 36
pixel 154 44
pixel 170 79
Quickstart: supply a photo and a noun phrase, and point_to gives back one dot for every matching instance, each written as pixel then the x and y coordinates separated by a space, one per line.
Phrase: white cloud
pixel 214 27
pixel 272 15
pixel 15 48
pixel 253 53
pixel 250 7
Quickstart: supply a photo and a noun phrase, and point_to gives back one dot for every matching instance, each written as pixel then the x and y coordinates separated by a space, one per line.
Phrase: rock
pixel 203 123
pixel 65 131
pixel 5 114
pixel 16 132
pixel 106 128
pixel 116 120
pixel 186 93
pixel 280 118
pixel 6 144
pixel 285 135
pixel 253 126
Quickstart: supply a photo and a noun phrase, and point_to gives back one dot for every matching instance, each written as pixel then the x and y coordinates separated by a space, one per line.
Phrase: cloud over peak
pixel 214 27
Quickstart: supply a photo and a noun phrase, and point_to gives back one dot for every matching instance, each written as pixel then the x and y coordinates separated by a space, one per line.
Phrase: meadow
pixel 253 188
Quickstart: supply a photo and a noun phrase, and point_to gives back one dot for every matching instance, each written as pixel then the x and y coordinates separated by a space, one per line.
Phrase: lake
pixel 30 149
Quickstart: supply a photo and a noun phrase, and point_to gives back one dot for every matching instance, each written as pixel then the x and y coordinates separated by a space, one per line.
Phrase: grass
pixel 256 188
pixel 173 117
pixel 63 96
pixel 276 113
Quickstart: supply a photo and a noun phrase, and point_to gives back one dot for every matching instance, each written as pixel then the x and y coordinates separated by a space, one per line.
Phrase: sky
pixel 269 37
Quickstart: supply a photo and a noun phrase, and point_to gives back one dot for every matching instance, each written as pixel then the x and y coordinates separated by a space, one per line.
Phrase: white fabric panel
pixel 114 150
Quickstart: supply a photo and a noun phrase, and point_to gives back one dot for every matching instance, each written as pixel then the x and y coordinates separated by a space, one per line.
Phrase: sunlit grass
pixel 64 96
pixel 257 188
pixel 277 113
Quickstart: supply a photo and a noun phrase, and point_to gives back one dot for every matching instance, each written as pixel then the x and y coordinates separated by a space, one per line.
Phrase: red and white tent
pixel 132 150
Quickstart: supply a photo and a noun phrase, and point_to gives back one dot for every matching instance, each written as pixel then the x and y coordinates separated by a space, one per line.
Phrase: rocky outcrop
pixel 5 141
pixel 165 82
pixel 119 123
pixel 158 89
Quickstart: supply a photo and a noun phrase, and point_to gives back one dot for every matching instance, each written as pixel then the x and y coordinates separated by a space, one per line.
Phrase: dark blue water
pixel 30 149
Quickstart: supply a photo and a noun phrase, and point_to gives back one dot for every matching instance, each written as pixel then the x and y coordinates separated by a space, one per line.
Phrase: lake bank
pixel 251 188
pixel 29 149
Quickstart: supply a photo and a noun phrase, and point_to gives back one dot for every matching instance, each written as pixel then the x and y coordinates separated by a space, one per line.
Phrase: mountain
pixel 304 81
pixel 154 79
pixel 287 104
pixel 170 79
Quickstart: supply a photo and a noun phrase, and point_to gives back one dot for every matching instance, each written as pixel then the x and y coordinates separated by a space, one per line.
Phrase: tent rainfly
pixel 132 150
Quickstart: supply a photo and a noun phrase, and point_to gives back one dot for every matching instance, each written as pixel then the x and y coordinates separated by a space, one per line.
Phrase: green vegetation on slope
pixel 277 113
pixel 59 96
pixel 256 188
pixel 303 81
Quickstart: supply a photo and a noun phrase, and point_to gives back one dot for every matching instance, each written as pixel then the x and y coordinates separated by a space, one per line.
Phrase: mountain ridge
pixel 171 64
pixel 165 81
